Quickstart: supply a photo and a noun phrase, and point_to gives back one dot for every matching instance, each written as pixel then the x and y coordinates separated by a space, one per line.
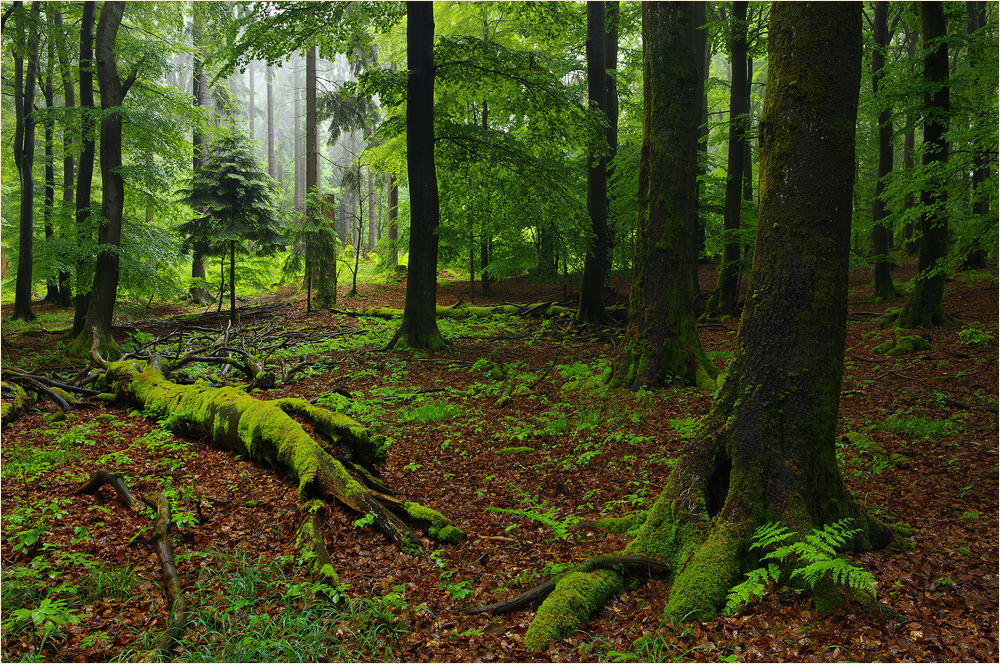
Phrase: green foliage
pixel 432 411
pixel 917 429
pixel 803 561
pixel 686 427
pixel 975 334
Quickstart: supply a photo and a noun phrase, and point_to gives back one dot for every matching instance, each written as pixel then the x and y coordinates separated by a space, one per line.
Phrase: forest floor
pixel 920 448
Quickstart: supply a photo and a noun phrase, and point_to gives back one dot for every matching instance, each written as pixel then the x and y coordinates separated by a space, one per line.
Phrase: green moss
pixel 515 450
pixel 438 526
pixel 576 597
pixel 904 345
pixel 54 418
pixel 622 524
pixel 702 583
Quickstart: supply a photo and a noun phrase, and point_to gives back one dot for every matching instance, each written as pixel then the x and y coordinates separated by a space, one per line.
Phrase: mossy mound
pixel 903 346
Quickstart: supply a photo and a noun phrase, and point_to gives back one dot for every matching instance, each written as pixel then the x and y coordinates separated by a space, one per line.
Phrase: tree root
pixel 635 564
pixel 309 541
pixel 176 606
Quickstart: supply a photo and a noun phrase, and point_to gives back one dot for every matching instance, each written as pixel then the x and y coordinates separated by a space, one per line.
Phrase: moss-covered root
pixel 700 586
pixel 309 542
pixel 577 596
pixel 13 408
pixel 438 527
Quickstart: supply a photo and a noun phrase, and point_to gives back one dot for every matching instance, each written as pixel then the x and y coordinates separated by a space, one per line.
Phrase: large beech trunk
pixel 767 450
pixel 338 461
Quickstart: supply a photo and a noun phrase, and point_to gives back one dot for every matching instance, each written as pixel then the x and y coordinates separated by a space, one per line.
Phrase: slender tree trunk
pixel 909 150
pixel 85 174
pixel 485 237
pixel 104 292
pixel 881 221
pixel 24 159
pixel 975 257
pixel 312 158
pixel 661 341
pixel 393 221
pixel 767 450
pixel 611 64
pixel 202 99
pixel 69 164
pixel 703 55
pixel 232 281
pixel 297 110
pixel 419 326
pixel 253 108
pixel 52 280
pixel 592 308
pixel 923 307
pixel 270 123
pixel 371 212
pixel 722 303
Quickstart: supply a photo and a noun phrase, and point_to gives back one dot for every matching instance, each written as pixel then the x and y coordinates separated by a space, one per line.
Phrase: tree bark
pixel 85 174
pixel 881 221
pixel 703 56
pixel 252 108
pixel 592 308
pixel 722 302
pixel 393 221
pixel 202 99
pixel 975 258
pixel 419 326
pixel 923 307
pixel 24 158
pixel 661 341
pixel 270 123
pixel 766 452
pixel 104 292
pixel 611 64
pixel 909 149
pixel 51 280
pixel 69 164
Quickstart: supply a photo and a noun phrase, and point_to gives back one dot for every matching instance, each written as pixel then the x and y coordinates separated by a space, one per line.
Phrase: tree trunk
pixel 265 432
pixel 592 308
pixel 24 158
pixel 104 292
pixel 69 166
pixel 393 221
pixel 722 303
pixel 297 133
pixel 313 211
pixel 485 238
pixel 252 108
pixel 923 307
pixel 270 123
pixel 202 99
pixel 326 256
pixel 51 280
pixel 881 221
pixel 975 258
pixel 371 212
pixel 611 64
pixel 661 341
pixel 85 174
pixel 703 55
pixel 419 326
pixel 232 282
pixel 909 149
pixel 766 452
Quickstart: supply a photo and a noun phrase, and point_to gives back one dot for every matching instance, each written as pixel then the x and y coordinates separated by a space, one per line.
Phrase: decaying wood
pixel 634 564
pixel 176 606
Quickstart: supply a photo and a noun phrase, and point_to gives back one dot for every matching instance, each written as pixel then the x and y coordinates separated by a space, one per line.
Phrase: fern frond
pixel 768 534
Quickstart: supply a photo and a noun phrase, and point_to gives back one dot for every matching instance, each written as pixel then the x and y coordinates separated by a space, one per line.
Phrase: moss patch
pixel 576 597
pixel 903 346
pixel 438 527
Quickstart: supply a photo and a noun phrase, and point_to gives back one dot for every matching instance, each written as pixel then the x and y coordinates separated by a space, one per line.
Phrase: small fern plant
pixel 814 557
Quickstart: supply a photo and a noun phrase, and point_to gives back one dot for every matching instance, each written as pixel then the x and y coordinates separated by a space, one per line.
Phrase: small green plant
pixel 810 558
pixel 686 427
pixel 969 518
pixel 47 619
pixel 974 334
pixel 561 529
pixel 916 428
pixel 432 411
pixel 365 521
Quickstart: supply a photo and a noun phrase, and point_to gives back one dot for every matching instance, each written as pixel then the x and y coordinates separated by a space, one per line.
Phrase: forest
pixel 499 331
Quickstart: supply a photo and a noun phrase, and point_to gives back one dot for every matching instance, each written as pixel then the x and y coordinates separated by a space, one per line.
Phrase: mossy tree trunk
pixel 923 307
pixel 419 326
pixel 881 222
pixel 337 462
pixel 661 342
pixel 722 302
pixel 767 452
pixel 595 264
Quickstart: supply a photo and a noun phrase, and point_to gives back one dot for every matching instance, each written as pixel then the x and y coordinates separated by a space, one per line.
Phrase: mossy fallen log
pixel 462 310
pixel 19 402
pixel 337 461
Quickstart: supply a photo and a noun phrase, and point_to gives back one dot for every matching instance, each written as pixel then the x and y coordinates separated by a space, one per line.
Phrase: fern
pixel 561 529
pixel 814 557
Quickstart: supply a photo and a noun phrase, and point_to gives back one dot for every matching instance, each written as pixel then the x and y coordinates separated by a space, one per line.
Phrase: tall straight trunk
pixel 909 150
pixel 975 257
pixel 485 237
pixel 592 309
pixel 85 174
pixel 611 64
pixel 232 281
pixel 69 164
pixel 767 452
pixel 418 328
pixel 923 307
pixel 393 221
pixel 24 159
pixel 747 147
pixel 723 299
pixel 270 123
pixel 104 292
pixel 881 221
pixel 298 156
pixel 703 54
pixel 313 209
pixel 202 99
pixel 51 280
pixel 253 108
pixel 371 212
pixel 661 342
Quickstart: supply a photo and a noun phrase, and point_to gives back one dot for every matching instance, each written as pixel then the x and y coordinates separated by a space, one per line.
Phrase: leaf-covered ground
pixel 919 446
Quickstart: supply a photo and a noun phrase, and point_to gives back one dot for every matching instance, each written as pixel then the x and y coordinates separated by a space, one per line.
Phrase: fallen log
pixel 339 461
pixel 462 310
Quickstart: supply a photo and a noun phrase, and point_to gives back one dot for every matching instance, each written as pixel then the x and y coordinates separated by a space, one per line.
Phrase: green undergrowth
pixel 913 429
